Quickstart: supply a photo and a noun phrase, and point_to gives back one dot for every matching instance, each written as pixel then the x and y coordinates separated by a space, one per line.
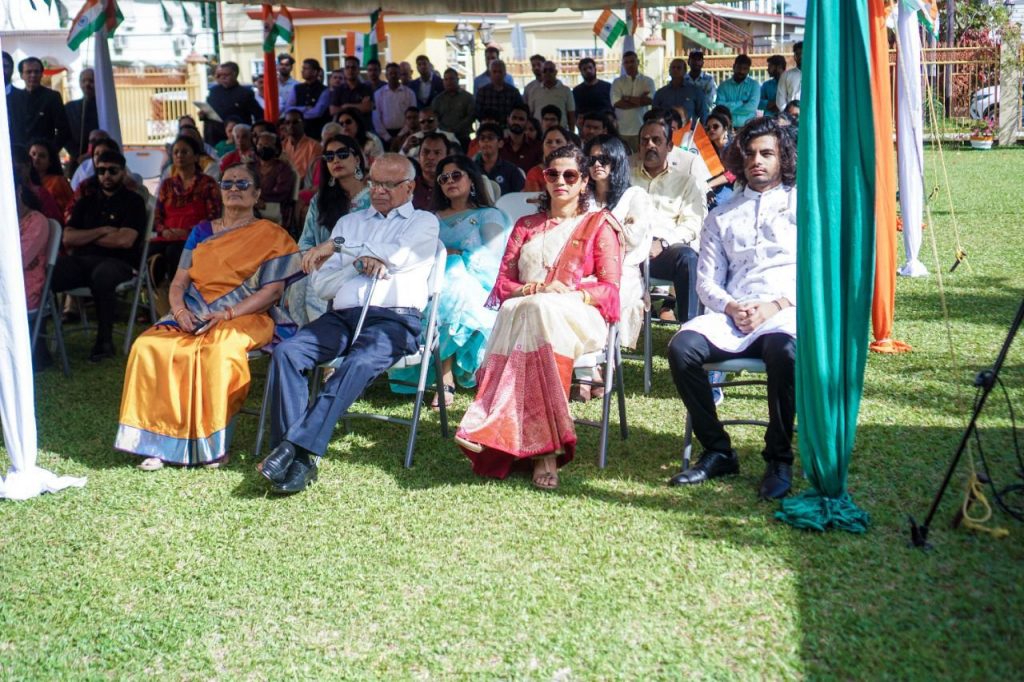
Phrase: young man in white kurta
pixel 746 278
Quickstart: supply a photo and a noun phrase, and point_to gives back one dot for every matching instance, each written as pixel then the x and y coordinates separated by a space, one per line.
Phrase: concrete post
pixel 1010 74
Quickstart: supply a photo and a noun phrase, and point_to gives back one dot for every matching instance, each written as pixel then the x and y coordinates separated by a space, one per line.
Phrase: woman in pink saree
pixel 558 288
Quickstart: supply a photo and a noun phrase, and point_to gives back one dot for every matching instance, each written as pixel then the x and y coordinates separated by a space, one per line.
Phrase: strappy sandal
pixel 151 464
pixel 449 397
pixel 546 480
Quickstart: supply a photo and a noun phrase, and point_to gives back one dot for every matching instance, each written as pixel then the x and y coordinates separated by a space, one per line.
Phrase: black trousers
pixel 386 336
pixel 679 263
pixel 688 350
pixel 101 274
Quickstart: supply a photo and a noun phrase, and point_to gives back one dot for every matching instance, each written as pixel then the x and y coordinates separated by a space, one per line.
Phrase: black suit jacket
pixel 238 101
pixel 17 108
pixel 45 117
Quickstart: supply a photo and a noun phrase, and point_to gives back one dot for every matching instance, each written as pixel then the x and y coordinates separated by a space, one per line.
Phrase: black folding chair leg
pixel 264 406
pixel 687 442
pixel 620 393
pixel 442 408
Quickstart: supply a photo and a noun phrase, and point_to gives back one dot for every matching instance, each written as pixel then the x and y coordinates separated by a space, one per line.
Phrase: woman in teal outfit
pixel 475 234
pixel 343 189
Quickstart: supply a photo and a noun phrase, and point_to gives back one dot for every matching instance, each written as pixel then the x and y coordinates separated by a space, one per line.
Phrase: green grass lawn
pixel 382 572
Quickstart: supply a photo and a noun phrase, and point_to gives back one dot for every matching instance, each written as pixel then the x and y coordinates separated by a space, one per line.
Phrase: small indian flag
pixel 609 27
pixel 375 38
pixel 927 13
pixel 696 140
pixel 94 16
pixel 355 45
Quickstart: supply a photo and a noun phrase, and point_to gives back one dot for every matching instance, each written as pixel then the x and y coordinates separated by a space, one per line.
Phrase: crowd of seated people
pixel 522 300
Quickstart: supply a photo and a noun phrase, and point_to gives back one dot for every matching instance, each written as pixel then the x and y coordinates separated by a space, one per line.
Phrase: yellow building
pixel 322 35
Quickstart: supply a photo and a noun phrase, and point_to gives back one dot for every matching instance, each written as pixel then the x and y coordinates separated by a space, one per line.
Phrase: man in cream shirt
pixel 631 97
pixel 680 207
pixel 390 241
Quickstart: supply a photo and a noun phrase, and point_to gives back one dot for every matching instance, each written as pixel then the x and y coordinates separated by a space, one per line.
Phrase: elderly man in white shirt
pixel 390 241
pixel 747 281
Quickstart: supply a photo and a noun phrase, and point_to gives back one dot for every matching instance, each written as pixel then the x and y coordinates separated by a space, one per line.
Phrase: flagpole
pixel 270 103
pixel 106 92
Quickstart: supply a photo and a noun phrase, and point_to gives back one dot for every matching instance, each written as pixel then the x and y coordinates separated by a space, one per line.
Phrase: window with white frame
pixel 333 52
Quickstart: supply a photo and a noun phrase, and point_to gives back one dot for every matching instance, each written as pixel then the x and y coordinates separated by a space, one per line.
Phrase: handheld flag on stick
pixel 94 15
pixel 375 38
pixel 282 27
pixel 695 139
pixel 635 18
pixel 609 27
pixel 927 14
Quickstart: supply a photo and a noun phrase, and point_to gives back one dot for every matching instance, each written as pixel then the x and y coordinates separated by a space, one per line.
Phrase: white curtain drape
pixel 910 138
pixel 17 398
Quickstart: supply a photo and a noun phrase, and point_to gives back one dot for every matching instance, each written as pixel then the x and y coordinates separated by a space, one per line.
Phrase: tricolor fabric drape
pixel 910 135
pixel 835 257
pixel 883 308
pixel 17 400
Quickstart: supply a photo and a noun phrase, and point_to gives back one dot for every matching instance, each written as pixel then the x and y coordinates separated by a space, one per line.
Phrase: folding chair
pixel 429 348
pixel 611 357
pixel 143 277
pixel 647 354
pixel 134 284
pixel 516 205
pixel 751 365
pixel 48 300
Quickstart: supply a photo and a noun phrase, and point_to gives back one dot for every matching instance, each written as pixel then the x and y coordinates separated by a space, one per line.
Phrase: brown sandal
pixel 449 398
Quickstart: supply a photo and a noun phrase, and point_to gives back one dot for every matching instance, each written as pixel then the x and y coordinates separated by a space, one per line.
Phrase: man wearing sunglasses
pixel 390 241
pixel 103 235
pixel 428 123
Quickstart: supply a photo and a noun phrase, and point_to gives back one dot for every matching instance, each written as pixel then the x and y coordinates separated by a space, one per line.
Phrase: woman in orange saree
pixel 558 288
pixel 188 376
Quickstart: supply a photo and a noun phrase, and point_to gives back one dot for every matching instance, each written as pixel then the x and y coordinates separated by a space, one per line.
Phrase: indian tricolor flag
pixel 94 16
pixel 376 37
pixel 609 27
pixel 283 27
pixel 693 138
pixel 927 13
pixel 355 46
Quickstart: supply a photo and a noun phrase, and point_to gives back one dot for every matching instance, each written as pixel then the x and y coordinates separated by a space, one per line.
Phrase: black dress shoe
pixel 776 482
pixel 103 350
pixel 274 466
pixel 710 465
pixel 301 473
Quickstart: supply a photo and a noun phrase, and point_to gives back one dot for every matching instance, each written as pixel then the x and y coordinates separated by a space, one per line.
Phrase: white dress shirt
pixel 631 120
pixel 747 254
pixel 789 88
pixel 405 240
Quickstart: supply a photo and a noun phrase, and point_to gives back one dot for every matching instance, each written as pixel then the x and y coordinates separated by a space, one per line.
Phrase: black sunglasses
pixel 430 119
pixel 340 154
pixel 105 170
pixel 603 159
pixel 242 185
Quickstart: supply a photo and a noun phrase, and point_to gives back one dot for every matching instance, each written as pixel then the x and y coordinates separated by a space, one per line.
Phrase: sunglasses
pixel 602 159
pixel 346 121
pixel 427 120
pixel 340 154
pixel 107 170
pixel 571 176
pixel 242 185
pixel 454 176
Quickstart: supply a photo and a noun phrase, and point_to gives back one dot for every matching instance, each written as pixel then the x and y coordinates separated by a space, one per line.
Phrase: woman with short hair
pixel 188 375
pixel 558 289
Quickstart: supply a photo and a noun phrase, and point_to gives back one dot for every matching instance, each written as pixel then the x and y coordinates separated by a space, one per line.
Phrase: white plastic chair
pixel 148 163
pixel 516 205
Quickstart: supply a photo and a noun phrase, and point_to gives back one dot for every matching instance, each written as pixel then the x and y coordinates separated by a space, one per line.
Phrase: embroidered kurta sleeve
pixel 713 268
pixel 604 293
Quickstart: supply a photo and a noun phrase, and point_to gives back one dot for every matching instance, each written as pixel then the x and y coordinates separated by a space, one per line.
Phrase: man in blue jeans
pixel 390 241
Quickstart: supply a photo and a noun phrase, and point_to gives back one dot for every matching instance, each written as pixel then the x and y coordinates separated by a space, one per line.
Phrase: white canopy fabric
pixel 17 395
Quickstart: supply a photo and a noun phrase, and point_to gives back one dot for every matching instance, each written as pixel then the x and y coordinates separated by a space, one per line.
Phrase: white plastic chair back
pixel 146 162
pixel 516 205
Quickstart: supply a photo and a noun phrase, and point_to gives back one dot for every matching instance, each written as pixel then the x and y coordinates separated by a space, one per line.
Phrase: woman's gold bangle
pixel 177 312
